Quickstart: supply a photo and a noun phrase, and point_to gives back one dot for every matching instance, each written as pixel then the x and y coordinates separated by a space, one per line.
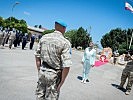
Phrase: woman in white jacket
pixel 88 61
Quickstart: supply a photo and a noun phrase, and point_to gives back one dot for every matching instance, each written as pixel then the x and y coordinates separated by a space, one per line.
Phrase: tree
pixel 36 26
pixel 48 31
pixel 70 35
pixel 78 37
pixel 117 39
pixel 12 22
pixel 40 26
pixel 1 21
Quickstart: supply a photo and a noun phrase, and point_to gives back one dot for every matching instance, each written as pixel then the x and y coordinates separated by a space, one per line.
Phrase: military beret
pixel 62 23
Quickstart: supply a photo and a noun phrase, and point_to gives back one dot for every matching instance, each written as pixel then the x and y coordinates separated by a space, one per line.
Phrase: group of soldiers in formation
pixel 14 37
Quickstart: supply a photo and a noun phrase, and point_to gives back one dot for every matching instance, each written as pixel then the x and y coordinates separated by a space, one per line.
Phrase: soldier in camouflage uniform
pixel 11 38
pixel 5 36
pixel 127 73
pixel 1 35
pixel 53 61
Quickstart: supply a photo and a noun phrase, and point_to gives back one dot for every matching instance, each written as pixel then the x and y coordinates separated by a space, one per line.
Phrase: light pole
pixel 127 40
pixel 89 34
pixel 16 3
pixel 131 41
pixel 96 46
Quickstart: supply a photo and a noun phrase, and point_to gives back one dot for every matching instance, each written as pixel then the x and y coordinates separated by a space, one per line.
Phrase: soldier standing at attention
pixel 24 41
pixel 11 38
pixel 1 35
pixel 5 35
pixel 32 40
pixel 53 61
pixel 127 73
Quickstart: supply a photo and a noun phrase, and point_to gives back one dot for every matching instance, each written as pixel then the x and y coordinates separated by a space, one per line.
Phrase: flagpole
pixel 126 40
pixel 131 41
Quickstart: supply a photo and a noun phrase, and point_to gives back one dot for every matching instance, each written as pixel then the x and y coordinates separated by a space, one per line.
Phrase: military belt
pixel 47 66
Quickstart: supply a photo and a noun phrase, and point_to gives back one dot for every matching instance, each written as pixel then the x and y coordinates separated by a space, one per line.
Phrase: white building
pixel 35 30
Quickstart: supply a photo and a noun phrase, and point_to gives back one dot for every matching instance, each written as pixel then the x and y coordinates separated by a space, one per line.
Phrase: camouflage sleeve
pixel 66 56
pixel 38 50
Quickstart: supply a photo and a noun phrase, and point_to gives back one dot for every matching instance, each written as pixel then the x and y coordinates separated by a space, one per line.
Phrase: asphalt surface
pixel 18 78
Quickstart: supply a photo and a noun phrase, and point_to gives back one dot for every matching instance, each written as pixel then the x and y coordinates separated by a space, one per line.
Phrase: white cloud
pixel 27 13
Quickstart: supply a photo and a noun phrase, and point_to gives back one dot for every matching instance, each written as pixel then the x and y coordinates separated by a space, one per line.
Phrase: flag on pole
pixel 128 7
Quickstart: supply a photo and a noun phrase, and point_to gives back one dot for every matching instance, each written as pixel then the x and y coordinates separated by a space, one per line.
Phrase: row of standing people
pixel 15 37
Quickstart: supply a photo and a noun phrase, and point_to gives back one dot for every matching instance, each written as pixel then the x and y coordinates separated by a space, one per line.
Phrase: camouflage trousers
pixel 124 76
pixel 11 42
pixel 48 80
pixel 1 40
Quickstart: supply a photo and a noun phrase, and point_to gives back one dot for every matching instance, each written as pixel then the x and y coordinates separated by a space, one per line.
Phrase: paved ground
pixel 18 77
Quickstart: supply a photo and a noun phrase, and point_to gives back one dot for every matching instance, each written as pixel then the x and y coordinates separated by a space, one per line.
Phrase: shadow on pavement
pixel 80 78
pixel 120 88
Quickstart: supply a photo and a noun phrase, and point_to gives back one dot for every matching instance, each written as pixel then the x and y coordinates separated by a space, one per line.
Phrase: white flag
pixel 128 7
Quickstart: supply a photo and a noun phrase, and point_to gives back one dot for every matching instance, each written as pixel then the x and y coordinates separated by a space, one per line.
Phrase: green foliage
pixel 71 36
pixel 121 51
pixel 117 39
pixel 1 21
pixel 36 26
pixel 78 37
pixel 40 26
pixel 48 31
pixel 12 22
pixel 131 47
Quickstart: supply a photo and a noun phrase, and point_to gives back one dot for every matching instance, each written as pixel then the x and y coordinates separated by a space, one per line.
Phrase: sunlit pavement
pixel 18 77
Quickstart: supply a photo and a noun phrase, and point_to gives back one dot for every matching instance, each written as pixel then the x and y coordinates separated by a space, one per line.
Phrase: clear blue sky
pixel 101 15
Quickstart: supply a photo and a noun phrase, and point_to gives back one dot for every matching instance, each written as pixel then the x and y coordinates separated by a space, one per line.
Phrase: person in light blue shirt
pixel 88 61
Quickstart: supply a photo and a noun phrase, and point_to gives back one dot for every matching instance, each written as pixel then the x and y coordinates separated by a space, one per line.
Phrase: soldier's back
pixel 52 46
